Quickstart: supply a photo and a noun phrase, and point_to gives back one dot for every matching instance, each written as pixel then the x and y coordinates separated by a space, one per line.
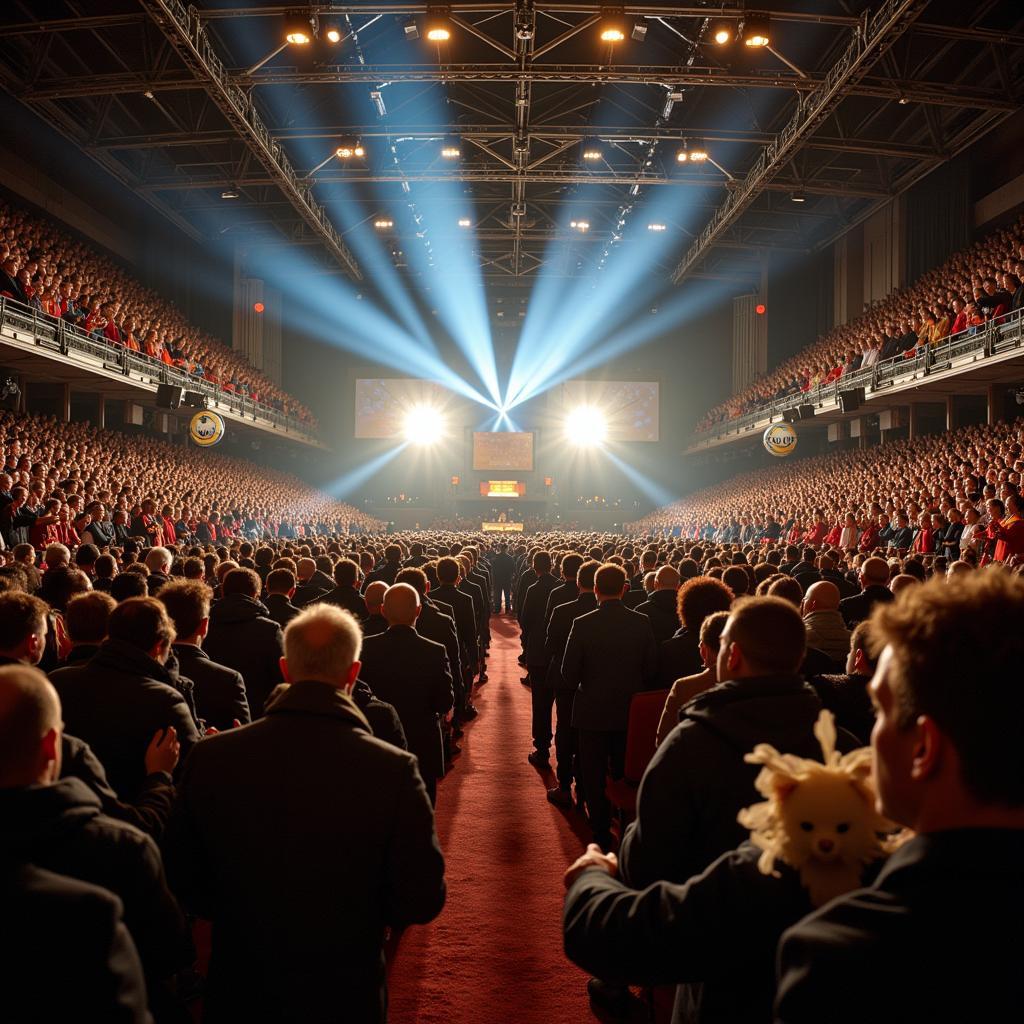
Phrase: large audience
pixel 45 267
pixel 973 288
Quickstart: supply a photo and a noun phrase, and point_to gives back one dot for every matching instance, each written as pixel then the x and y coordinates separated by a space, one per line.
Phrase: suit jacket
pixel 660 608
pixel 858 608
pixel 925 942
pixel 219 690
pixel 411 673
pixel 280 609
pixel 609 656
pixel 531 619
pixel 565 591
pixel 302 837
pixel 348 598
pixel 465 623
pixel 436 625
pixel 679 656
pixel 557 635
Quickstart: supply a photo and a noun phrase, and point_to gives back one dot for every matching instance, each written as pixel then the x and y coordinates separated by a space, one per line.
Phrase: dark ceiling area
pixel 560 146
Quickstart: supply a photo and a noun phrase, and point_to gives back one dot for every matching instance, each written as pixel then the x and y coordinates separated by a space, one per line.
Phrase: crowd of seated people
pixel 954 496
pixel 973 288
pixel 45 267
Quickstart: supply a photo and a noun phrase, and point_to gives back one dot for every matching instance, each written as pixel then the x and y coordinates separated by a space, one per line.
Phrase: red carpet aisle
pixel 495 953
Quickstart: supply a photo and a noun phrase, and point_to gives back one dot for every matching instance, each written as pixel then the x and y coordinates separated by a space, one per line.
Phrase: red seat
pixel 644 715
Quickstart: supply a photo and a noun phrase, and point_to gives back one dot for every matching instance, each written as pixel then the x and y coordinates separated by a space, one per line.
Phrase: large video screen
pixel 630 406
pixel 503 450
pixel 382 403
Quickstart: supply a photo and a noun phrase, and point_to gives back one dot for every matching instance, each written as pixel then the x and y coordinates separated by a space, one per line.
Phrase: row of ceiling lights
pixel 386 224
pixel 303 26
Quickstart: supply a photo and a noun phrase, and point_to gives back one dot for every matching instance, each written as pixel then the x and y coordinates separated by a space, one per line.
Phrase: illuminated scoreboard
pixel 502 489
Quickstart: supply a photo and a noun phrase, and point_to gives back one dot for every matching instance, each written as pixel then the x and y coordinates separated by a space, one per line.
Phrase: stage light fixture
pixel 349 150
pixel 656 227
pixel 299 28
pixel 331 33
pixel 592 150
pixel 258 307
pixel 411 29
pixel 756 30
pixel 613 25
pixel 682 154
pixel 723 34
pixel 439 27
pixel 580 225
pixel 639 33
pixel 465 222
pixel 698 151
pixel 586 427
pixel 760 309
pixel 423 425
pixel 451 149
pixel 229 193
pixel 383 224
pixel 798 196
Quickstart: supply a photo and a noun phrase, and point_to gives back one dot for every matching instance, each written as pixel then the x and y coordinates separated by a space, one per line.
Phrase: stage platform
pixel 501 527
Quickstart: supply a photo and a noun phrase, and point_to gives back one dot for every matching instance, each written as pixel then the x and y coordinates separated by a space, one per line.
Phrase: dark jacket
pixel 697 780
pixel 309 593
pixel 383 718
pixel 678 656
pixel 219 690
pixel 715 935
pixel 60 828
pixel 411 673
pixel 660 608
pixel 465 623
pixel 531 619
pixel 242 636
pixel 927 941
pixel 302 837
pixel 858 608
pixel 567 590
pixel 609 656
pixel 846 696
pixel 280 609
pixel 116 703
pixel 348 598
pixel 557 635
pixel 438 626
pixel 152 802
pixel 373 624
pixel 91 969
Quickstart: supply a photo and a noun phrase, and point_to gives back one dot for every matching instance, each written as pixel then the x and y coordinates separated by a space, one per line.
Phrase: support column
pixel 913 421
pixel 22 388
pixel 994 403
pixel 65 403
pixel 101 412
pixel 950 413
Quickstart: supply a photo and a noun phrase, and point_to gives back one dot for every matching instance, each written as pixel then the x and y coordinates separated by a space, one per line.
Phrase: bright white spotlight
pixel 465 222
pixel 656 226
pixel 586 427
pixel 423 425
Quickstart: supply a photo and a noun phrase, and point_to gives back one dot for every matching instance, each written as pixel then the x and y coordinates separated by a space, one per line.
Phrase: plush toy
pixel 819 818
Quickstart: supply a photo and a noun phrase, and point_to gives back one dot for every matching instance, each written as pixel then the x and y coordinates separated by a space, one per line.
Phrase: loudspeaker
pixel 196 400
pixel 168 396
pixel 790 415
pixel 851 401
pixel 805 412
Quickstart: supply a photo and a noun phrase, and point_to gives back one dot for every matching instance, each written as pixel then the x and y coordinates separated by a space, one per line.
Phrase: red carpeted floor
pixel 495 952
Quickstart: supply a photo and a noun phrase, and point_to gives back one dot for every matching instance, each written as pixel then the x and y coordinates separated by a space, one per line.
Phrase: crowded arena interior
pixel 511 511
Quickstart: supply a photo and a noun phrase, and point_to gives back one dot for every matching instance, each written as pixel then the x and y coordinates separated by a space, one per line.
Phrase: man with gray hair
pixel 158 562
pixel 303 825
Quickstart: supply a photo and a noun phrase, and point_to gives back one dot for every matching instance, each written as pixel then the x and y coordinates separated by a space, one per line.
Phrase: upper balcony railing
pixel 955 352
pixel 56 336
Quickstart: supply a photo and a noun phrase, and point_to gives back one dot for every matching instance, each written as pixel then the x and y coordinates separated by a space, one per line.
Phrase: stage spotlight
pixel 439 28
pixel 698 151
pixel 756 30
pixel 229 193
pixel 465 222
pixel 451 150
pixel 586 427
pixel 422 425
pixel 682 154
pixel 798 196
pixel 656 226
pixel 639 33
pixel 723 33
pixel 613 26
pixel 580 225
pixel 331 33
pixel 411 29
pixel 384 224
pixel 592 151
pixel 348 150
pixel 298 28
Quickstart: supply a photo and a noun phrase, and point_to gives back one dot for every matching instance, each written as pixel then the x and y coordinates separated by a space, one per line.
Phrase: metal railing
pixel 956 350
pixel 55 335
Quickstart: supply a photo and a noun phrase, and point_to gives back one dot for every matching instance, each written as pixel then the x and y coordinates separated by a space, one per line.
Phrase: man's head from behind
pixel 322 644
pixel 764 636
pixel 374 596
pixel 610 582
pixel 23 627
pixel 401 605
pixel 666 578
pixel 30 728
pixel 143 622
pixel 949 732
pixel 822 596
pixel 188 604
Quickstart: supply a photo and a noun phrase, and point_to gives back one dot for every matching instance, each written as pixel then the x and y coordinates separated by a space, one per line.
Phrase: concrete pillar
pixel 101 412
pixel 913 421
pixel 65 403
pixel 995 403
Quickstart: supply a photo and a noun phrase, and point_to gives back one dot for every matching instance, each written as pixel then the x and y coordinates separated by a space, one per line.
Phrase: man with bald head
pixel 660 607
pixel 874 581
pixel 412 673
pixel 826 631
pixel 375 622
pixel 304 825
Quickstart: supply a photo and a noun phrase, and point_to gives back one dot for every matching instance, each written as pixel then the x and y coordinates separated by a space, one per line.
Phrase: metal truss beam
pixel 879 30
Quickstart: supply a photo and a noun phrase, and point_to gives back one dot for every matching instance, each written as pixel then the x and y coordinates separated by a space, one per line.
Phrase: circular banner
pixel 780 439
pixel 207 428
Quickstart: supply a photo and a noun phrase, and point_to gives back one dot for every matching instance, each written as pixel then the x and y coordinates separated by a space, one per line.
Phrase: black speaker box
pixel 168 396
pixel 790 415
pixel 806 411
pixel 851 401
pixel 196 400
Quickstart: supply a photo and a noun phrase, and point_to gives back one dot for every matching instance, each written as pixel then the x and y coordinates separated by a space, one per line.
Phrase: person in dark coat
pixel 660 607
pixel 412 674
pixel 57 824
pixel 531 622
pixel 345 593
pixel 304 825
pixel 846 694
pixel 697 781
pixel 502 569
pixel 566 738
pixel 312 584
pixel 219 691
pixel 928 940
pixel 448 575
pixel 90 969
pixel 388 568
pixel 382 717
pixel 567 590
pixel 243 637
pixel 874 581
pixel 609 656
pixel 374 596
pixel 124 696
pixel 280 591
